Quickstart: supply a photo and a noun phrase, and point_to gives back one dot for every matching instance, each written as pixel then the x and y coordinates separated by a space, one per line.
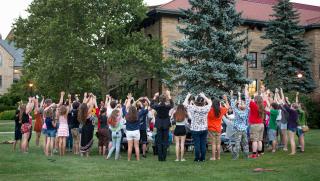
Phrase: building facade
pixel 10 65
pixel 163 20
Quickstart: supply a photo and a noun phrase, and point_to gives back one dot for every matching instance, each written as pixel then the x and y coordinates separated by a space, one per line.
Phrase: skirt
pixel 25 128
pixel 63 130
pixel 86 137
pixel 103 135
pixel 17 134
pixel 38 123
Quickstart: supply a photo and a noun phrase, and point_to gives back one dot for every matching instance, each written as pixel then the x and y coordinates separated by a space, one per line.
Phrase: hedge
pixel 7 115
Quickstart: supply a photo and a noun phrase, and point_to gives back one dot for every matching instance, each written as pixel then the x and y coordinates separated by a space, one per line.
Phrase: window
pixel 0 81
pixel 252 60
pixel 253 87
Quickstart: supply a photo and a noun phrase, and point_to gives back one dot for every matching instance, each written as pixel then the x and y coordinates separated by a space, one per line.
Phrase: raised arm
pixel 85 98
pixel 225 98
pixel 282 96
pixel 186 100
pixel 297 97
pixel 42 102
pixel 206 99
pixel 168 93
pixel 30 105
pixel 62 93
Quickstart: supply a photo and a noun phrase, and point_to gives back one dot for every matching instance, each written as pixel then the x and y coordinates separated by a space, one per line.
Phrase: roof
pixel 256 10
pixel 17 54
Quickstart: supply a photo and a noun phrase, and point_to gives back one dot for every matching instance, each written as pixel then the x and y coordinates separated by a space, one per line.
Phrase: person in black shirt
pixel 17 130
pixel 162 123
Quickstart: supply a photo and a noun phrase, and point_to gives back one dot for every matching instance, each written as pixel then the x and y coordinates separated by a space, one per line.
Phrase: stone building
pixel 11 60
pixel 162 22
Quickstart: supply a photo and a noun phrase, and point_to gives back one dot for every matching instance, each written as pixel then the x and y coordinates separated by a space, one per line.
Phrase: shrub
pixel 6 107
pixel 7 115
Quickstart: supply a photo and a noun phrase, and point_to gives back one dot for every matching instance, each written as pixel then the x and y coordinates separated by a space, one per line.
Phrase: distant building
pixel 162 22
pixel 11 60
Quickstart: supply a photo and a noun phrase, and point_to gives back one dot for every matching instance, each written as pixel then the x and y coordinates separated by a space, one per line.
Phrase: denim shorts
pixel 292 129
pixel 51 133
pixel 299 132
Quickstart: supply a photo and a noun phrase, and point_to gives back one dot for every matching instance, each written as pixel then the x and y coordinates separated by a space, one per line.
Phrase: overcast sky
pixel 12 9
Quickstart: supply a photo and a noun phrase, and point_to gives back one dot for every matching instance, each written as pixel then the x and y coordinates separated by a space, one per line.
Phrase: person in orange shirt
pixel 214 125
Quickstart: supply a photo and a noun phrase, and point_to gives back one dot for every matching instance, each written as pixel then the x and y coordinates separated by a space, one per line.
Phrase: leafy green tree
pixel 85 45
pixel 209 59
pixel 287 55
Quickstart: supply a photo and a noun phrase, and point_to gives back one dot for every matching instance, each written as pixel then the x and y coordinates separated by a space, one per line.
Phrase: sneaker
pixel 285 149
pixel 212 159
pixel 254 156
pixel 273 151
pixel 144 156
pixel 183 160
pixel 177 160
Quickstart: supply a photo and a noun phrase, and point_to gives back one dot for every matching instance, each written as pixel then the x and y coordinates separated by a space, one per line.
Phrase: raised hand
pixel 62 93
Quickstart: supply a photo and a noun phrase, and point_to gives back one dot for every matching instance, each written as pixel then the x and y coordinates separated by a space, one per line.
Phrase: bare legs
pixel 180 147
pixel 49 146
pixel 215 144
pixel 284 139
pixel 62 145
pixel 38 138
pixel 135 144
pixel 301 142
pixel 15 143
pixel 24 144
pixel 292 143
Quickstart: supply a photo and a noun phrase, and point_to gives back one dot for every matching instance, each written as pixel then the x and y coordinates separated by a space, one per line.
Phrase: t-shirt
pixel 49 123
pixel 293 117
pixel 273 119
pixel 199 117
pixel 103 121
pixel 214 123
pixel 132 125
pixel 74 119
pixel 142 116
pixel 17 121
pixel 302 118
pixel 254 117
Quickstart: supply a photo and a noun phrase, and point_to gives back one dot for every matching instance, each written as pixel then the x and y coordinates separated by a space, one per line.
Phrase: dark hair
pixel 103 110
pixel 162 99
pixel 275 105
pixel 259 102
pixel 48 102
pixel 199 101
pixel 216 107
pixel 75 105
pixel 132 114
pixel 180 114
pixel 83 113
pixel 113 104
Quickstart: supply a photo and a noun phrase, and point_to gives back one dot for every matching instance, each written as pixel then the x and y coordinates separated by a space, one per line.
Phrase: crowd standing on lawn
pixel 71 122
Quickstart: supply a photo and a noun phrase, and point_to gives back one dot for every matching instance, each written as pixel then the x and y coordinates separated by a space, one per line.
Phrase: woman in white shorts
pixel 133 131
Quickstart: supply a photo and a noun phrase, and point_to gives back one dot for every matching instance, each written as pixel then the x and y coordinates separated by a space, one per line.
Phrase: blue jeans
pixel 200 144
pixel 116 142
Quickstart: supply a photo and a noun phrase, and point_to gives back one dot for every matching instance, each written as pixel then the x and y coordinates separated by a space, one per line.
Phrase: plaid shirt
pixel 241 117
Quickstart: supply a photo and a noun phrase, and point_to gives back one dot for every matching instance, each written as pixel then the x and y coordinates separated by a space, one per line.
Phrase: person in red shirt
pixel 256 117
pixel 214 125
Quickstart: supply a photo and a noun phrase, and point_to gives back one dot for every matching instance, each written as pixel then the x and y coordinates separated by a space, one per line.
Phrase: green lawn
pixel 35 166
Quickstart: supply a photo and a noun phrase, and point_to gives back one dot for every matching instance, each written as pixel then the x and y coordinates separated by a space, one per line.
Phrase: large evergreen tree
pixel 208 59
pixel 287 55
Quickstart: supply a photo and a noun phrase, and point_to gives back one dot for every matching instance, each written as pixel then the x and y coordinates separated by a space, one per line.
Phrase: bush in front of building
pixel 5 107
pixel 7 115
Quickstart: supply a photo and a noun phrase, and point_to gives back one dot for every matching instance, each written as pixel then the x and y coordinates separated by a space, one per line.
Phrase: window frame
pixel 251 59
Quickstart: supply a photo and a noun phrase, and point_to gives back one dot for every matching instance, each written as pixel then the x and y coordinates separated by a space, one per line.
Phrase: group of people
pixel 70 123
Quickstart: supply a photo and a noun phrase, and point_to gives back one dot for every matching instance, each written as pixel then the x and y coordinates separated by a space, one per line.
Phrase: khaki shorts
pixel 256 132
pixel 75 135
pixel 215 137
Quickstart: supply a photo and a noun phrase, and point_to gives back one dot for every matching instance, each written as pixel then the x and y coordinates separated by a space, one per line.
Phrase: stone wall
pixel 6 70
pixel 312 37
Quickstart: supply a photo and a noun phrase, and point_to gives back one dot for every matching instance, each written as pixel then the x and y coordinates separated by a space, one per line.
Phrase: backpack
pixel 74 118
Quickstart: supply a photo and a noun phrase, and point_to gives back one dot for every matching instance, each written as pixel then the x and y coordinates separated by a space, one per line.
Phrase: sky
pixel 12 9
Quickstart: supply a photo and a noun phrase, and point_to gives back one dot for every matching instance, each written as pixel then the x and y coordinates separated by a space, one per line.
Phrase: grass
pixel 35 166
